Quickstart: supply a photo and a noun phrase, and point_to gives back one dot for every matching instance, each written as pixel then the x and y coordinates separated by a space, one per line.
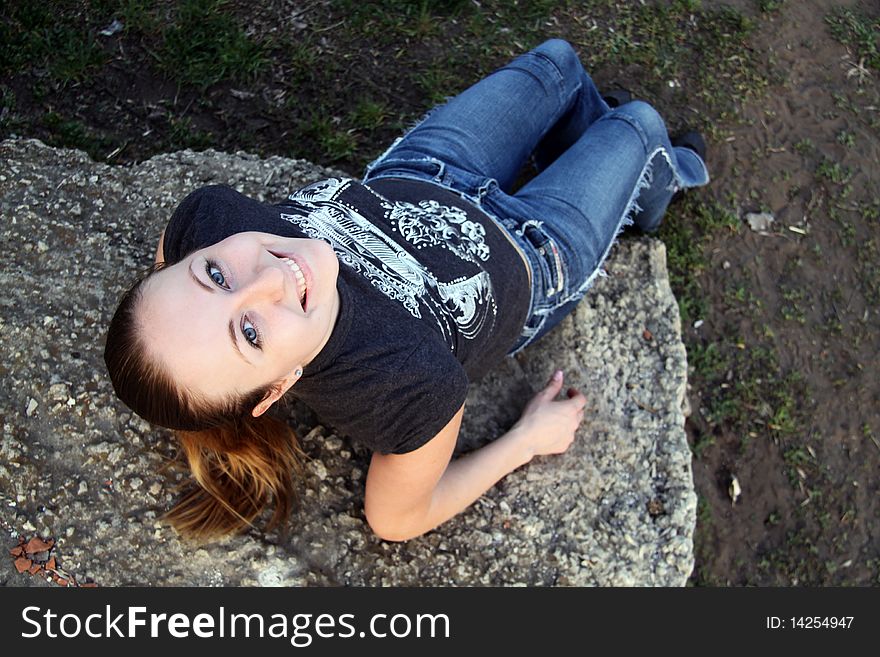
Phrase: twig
pixel 116 151
pixel 329 27
pixel 644 407
pixel 837 312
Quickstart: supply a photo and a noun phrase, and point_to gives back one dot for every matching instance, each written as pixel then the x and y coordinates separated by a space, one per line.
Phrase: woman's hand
pixel 409 494
pixel 548 425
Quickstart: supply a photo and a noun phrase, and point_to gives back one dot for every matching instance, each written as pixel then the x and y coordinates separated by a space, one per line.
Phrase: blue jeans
pixel 599 169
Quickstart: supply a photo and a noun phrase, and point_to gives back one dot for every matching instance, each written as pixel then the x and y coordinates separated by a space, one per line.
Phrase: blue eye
pixel 251 334
pixel 214 272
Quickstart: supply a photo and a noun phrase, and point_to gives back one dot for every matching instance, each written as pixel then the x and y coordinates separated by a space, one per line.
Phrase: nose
pixel 266 285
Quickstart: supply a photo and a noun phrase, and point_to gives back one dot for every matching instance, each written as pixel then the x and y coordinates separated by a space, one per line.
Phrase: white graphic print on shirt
pixel 394 271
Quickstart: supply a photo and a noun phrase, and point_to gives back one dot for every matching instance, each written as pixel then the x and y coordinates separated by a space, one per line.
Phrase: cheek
pixel 290 329
pixel 329 265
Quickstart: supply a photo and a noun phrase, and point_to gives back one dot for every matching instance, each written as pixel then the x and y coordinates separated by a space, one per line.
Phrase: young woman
pixel 376 302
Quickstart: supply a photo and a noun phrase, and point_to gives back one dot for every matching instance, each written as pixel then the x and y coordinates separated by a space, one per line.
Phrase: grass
pixel 846 138
pixel 685 231
pixel 745 389
pixel 8 119
pixel 35 37
pixel 859 33
pixel 335 144
pixel 199 44
pixel 743 385
pixel 204 44
pixel 703 549
pixel 185 135
pixel 437 83
pixel 770 6
pixel 793 309
pixel 75 134
pixel 669 41
pixel 136 15
pixel 805 146
pixel 868 258
pixel 740 389
pixel 368 114
pixel 834 172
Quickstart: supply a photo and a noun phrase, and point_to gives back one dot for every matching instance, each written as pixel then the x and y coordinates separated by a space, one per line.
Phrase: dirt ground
pixel 809 509
pixel 780 323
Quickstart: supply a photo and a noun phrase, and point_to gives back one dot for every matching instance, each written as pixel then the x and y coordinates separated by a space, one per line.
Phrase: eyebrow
pixel 231 325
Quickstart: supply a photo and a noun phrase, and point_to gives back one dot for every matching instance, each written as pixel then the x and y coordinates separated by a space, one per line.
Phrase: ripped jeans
pixel 600 169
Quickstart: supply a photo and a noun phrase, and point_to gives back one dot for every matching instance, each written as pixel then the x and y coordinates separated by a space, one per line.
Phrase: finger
pixel 576 398
pixel 554 385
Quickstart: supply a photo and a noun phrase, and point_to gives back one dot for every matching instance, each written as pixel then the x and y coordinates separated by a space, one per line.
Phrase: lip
pixel 307 274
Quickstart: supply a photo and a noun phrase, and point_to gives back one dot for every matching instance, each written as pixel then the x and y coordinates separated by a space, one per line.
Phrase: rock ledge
pixel 617 509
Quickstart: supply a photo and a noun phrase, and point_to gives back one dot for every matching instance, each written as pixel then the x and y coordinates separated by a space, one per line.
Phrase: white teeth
pixel 300 278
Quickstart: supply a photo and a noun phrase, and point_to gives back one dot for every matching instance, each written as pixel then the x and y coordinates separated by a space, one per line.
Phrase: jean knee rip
pixel 626 219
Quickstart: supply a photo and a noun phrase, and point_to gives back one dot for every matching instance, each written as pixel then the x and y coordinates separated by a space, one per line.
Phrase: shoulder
pixel 391 405
pixel 193 220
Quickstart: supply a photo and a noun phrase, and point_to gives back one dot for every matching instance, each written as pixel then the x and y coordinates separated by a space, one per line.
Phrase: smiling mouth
pixel 298 275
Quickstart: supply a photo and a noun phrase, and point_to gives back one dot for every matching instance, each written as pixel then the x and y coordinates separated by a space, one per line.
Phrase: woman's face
pixel 242 313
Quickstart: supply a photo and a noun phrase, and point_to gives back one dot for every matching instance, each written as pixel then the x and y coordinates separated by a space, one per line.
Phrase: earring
pixel 298 371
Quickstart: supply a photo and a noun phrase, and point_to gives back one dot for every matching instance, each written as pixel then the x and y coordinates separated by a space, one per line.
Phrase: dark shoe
pixel 617 97
pixel 693 140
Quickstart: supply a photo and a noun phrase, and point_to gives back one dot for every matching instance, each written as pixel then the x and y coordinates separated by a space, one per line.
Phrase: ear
pixel 277 392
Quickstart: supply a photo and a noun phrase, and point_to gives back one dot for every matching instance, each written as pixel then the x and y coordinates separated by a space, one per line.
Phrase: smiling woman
pixel 266 307
pixel 376 302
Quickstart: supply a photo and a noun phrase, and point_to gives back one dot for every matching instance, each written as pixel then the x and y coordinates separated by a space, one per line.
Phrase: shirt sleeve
pixel 209 215
pixel 391 410
pixel 429 391
pixel 180 234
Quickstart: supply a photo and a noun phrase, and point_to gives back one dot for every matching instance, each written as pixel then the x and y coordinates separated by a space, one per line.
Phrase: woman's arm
pixel 410 494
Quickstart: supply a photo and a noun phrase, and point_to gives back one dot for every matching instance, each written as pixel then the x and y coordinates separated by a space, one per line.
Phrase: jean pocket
pixel 549 253
pixel 428 169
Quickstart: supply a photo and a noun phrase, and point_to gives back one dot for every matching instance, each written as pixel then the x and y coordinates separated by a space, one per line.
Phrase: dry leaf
pixel 34 569
pixel 760 222
pixel 113 28
pixel 734 490
pixel 22 564
pixel 50 565
pixel 17 551
pixel 36 544
pixel 647 335
pixel 89 585
pixel 60 581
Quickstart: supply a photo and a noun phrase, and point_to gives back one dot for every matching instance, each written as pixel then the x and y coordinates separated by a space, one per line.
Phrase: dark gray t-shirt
pixel 432 294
